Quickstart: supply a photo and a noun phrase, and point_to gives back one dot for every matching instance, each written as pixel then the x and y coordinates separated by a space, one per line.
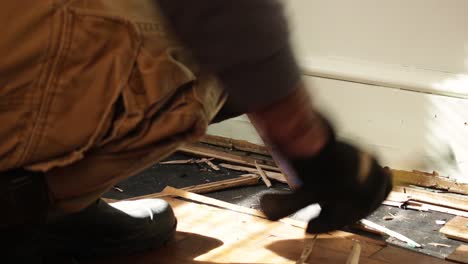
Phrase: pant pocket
pixel 163 100
pixel 98 54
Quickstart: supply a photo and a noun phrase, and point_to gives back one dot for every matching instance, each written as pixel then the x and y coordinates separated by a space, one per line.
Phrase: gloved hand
pixel 349 184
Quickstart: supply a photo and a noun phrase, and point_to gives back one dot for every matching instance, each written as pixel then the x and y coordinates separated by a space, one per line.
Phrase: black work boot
pixel 100 229
pixel 104 229
pixel 23 205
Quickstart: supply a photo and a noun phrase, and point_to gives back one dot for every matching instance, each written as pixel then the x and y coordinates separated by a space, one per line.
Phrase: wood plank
pixel 418 206
pixel 170 191
pixel 457 228
pixel 460 255
pixel 391 233
pixel 263 175
pixel 224 155
pixel 235 144
pixel 401 194
pixel 430 180
pixel 272 175
pixel 243 180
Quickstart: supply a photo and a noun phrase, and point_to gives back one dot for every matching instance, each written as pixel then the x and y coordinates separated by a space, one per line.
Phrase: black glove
pixel 347 183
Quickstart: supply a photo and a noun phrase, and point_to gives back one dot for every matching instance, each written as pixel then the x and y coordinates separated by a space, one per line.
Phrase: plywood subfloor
pixel 207 234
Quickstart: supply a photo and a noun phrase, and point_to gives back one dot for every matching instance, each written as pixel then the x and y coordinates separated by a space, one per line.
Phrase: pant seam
pixel 44 79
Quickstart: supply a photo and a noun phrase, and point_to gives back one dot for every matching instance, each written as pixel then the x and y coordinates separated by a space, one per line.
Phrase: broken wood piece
pixel 118 189
pixel 460 255
pixel 439 245
pixel 243 180
pixel 309 245
pixel 388 218
pixel 209 163
pixel 457 228
pixel 355 254
pixel 262 174
pixel 235 144
pixel 272 175
pixel 170 191
pixel 391 233
pixel 177 162
pixel 224 155
pixel 360 226
pixel 191 161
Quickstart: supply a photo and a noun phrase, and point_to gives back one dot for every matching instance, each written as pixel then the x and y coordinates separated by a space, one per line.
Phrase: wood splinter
pixel 243 180
pixel 391 233
pixel 355 254
pixel 192 161
pixel 271 175
pixel 262 174
pixel 209 163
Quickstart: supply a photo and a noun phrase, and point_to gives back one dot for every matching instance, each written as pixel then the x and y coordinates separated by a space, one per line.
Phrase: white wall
pixel 391 74
pixel 426 34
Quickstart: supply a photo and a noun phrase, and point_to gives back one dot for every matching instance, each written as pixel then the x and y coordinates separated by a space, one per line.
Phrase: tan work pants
pixel 94 91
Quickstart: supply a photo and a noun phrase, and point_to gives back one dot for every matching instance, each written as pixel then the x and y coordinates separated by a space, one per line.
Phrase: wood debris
pixel 170 191
pixel 439 245
pixel 263 175
pixel 192 161
pixel 388 218
pixel 418 178
pixel 203 151
pixel 209 163
pixel 271 175
pixel 402 196
pixel 177 162
pixel 243 180
pixel 235 144
pixel 118 189
pixel 391 233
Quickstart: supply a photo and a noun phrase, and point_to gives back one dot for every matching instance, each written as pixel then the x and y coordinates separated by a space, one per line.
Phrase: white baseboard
pixel 385 75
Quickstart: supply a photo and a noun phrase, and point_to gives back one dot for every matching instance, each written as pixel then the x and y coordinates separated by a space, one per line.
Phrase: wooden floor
pixel 209 234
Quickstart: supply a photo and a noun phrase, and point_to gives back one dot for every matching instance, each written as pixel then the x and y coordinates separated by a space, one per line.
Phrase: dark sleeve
pixel 244 42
